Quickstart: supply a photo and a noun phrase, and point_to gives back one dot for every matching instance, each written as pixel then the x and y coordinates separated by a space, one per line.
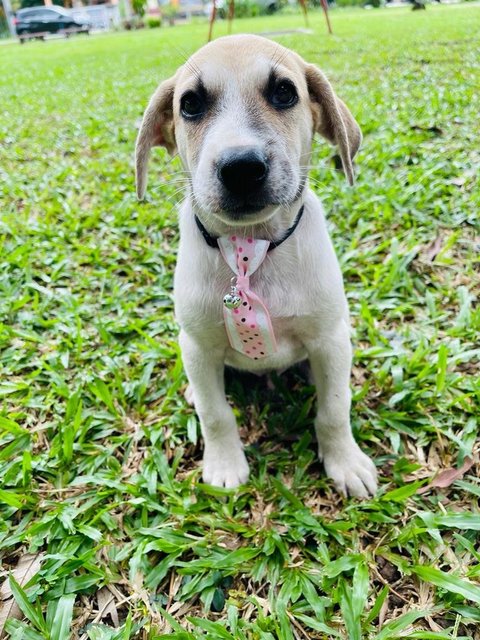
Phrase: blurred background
pixel 50 17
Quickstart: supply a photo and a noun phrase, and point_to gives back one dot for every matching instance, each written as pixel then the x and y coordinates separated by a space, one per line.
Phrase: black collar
pixel 212 240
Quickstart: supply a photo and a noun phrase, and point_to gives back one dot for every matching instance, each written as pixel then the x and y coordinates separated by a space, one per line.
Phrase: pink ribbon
pixel 249 327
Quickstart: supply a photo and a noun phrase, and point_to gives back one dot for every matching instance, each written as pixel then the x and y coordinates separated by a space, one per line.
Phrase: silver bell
pixel 232 301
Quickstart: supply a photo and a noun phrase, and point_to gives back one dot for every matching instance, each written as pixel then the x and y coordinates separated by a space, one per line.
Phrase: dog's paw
pixel 225 465
pixel 351 470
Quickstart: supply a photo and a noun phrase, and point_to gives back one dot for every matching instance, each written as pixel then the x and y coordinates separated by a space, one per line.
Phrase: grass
pixel 105 526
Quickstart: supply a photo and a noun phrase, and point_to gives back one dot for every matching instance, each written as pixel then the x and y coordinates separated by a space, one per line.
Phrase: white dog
pixel 257 284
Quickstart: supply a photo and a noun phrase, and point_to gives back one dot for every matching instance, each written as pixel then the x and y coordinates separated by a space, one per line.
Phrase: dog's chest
pixel 299 283
pixel 290 349
pixel 199 292
pixel 200 311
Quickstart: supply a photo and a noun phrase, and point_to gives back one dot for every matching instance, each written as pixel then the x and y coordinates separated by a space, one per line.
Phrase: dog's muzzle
pixel 242 171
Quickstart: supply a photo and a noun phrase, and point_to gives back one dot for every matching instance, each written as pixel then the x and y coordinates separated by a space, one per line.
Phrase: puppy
pixel 257 283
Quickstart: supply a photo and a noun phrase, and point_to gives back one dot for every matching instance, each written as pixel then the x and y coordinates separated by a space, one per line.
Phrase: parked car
pixel 36 22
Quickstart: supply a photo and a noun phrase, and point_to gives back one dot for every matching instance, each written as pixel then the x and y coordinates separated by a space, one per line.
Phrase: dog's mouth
pixel 255 208
pixel 241 208
pixel 245 211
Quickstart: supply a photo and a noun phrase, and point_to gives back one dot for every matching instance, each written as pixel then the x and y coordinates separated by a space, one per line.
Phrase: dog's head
pixel 242 113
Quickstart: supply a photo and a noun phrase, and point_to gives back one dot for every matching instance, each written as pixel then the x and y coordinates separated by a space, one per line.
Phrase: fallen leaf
pixel 106 605
pixel 383 613
pixel 448 476
pixel 433 249
pixel 27 567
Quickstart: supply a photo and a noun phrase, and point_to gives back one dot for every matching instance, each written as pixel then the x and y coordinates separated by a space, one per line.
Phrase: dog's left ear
pixel 332 119
pixel 156 130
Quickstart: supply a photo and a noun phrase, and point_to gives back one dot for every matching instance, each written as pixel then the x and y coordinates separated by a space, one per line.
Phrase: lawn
pixel 103 515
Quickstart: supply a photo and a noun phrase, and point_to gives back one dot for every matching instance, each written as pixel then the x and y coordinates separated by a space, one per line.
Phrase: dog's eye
pixel 192 105
pixel 284 95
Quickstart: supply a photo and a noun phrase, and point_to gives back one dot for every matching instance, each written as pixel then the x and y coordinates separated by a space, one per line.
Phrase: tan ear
pixel 156 130
pixel 333 120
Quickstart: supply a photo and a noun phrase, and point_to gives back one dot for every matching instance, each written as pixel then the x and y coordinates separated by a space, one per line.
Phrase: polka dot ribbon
pixel 248 326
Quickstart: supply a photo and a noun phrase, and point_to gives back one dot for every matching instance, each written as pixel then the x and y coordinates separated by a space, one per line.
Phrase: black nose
pixel 242 170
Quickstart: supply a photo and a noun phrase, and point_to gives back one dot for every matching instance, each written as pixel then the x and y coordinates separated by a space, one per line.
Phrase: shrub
pixel 138 7
pixel 4 32
pixel 251 9
pixel 153 22
pixel 350 3
pixel 246 9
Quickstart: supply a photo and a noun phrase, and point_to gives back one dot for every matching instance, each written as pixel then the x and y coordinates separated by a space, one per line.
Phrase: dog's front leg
pixel 351 470
pixel 224 462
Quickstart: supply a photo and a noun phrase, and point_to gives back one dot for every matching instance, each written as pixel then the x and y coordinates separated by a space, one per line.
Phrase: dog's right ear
pixel 156 130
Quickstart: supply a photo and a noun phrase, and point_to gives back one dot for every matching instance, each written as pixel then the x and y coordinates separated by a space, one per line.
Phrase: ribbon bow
pixel 247 320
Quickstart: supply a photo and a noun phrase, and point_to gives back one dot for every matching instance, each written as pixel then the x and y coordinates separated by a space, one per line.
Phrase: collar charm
pixel 247 321
pixel 232 300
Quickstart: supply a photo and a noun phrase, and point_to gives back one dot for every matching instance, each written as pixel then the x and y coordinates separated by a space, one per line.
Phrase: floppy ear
pixel 156 130
pixel 332 119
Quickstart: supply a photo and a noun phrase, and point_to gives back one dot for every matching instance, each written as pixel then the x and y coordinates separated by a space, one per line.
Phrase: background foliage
pixel 103 516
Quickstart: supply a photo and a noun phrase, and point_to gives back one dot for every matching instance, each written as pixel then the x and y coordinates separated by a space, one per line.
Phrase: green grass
pixel 101 495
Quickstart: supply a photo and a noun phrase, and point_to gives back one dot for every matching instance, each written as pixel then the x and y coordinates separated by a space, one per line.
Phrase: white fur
pixel 300 281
